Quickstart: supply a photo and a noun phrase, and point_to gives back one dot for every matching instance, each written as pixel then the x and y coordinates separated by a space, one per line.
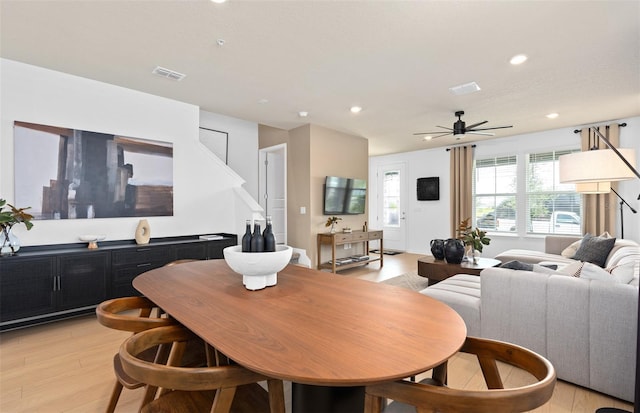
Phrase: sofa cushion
pixel 572 270
pixel 594 249
pixel 571 250
pixel 462 293
pixel 531 256
pixel 620 273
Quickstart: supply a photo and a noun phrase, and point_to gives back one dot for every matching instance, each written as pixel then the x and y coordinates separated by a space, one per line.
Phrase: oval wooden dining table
pixel 312 328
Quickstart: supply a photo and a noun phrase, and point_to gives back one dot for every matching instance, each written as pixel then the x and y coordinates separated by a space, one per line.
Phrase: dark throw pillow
pixel 517 265
pixel 594 249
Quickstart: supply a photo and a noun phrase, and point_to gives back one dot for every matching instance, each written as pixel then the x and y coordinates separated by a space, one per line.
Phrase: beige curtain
pixel 461 185
pixel 599 214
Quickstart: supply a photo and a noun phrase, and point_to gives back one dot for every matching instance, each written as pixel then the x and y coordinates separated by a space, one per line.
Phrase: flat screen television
pixel 344 196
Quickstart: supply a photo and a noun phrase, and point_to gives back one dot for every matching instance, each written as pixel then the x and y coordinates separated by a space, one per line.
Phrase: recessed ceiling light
pixel 219 1
pixel 427 138
pixel 552 115
pixel 303 114
pixel 355 109
pixel 518 59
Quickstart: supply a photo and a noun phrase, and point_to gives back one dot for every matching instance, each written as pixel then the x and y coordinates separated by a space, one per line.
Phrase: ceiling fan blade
pixel 431 133
pixel 443 127
pixel 480 133
pixel 495 127
pixel 477 124
pixel 442 134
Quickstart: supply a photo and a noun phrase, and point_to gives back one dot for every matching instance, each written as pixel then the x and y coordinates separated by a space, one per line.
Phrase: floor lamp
pixel 592 172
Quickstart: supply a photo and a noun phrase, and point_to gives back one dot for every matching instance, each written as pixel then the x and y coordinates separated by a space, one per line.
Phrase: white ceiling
pixel 396 59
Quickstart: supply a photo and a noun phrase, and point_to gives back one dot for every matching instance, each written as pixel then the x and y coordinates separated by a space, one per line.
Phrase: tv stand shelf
pixel 340 238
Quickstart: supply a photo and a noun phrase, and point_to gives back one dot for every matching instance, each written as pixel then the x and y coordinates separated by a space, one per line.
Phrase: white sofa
pixel 586 328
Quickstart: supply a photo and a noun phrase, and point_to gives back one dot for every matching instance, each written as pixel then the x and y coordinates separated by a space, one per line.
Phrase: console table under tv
pixel 341 238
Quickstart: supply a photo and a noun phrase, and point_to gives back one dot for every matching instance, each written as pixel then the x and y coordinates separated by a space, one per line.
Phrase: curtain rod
pixel 622 125
pixel 462 144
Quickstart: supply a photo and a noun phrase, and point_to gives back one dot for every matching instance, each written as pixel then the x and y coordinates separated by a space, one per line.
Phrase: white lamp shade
pixel 593 187
pixel 596 165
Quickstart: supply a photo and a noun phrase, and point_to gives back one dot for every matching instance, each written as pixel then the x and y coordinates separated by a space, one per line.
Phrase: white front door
pixel 273 188
pixel 392 205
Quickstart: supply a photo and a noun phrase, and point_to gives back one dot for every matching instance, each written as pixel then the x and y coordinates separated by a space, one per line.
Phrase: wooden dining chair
pixel 133 314
pixel 433 395
pixel 195 389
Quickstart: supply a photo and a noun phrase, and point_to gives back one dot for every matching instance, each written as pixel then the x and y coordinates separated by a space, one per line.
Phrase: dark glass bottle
pixel 269 238
pixel 257 241
pixel 246 238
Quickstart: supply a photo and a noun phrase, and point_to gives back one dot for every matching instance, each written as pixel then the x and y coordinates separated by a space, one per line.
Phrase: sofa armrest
pixel 555 244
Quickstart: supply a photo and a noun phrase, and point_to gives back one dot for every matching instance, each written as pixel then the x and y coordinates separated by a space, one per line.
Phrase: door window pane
pixel 391 199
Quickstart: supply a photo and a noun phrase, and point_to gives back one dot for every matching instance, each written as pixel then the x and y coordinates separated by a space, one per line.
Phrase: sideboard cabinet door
pixel 214 250
pixel 127 264
pixel 83 279
pixel 27 287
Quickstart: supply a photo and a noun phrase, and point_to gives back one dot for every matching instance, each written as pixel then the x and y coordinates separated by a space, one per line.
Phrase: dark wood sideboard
pixel 51 282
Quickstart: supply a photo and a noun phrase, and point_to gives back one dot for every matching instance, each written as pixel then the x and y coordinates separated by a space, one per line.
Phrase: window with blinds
pixel 495 193
pixel 552 207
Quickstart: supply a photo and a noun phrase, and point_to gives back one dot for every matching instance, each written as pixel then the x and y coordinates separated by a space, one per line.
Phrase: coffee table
pixel 438 270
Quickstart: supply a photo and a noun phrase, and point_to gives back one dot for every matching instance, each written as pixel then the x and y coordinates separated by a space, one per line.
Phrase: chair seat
pixel 249 398
pixel 181 402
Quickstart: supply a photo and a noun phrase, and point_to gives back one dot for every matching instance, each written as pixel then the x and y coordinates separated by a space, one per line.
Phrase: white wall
pixel 243 146
pixel 427 220
pixel 203 188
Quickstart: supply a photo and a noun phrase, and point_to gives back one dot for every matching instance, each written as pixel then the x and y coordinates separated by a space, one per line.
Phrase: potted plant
pixel 10 216
pixel 331 222
pixel 475 239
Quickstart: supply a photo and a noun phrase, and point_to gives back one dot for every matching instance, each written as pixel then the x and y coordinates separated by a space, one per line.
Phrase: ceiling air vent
pixel 465 89
pixel 169 74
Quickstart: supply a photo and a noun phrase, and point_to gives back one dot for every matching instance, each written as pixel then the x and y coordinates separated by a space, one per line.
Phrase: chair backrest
pixel 171 376
pixel 119 314
pixel 440 398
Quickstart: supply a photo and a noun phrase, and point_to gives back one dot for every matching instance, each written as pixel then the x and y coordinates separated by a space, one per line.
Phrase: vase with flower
pixel 10 216
pixel 331 222
pixel 474 239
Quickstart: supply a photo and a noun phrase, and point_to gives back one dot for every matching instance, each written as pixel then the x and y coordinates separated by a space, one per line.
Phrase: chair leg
pixel 149 395
pixel 115 396
pixel 373 404
pixel 276 396
pixel 222 401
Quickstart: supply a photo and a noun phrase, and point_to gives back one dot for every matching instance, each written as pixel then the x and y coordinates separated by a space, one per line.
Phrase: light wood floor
pixel 66 366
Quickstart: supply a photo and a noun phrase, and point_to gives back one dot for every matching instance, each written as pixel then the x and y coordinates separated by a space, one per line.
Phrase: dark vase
pixel 437 248
pixel 453 251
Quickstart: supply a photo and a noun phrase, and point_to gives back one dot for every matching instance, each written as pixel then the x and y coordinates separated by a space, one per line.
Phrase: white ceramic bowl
pixel 92 237
pixel 258 269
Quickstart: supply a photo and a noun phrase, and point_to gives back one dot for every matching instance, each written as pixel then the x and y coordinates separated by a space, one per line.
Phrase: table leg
pixel 321 399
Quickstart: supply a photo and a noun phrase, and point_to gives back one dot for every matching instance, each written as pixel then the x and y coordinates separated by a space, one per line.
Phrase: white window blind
pixel 552 207
pixel 495 193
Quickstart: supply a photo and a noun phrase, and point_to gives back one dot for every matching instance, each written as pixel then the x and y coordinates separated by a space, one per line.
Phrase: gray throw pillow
pixel 517 265
pixel 594 249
